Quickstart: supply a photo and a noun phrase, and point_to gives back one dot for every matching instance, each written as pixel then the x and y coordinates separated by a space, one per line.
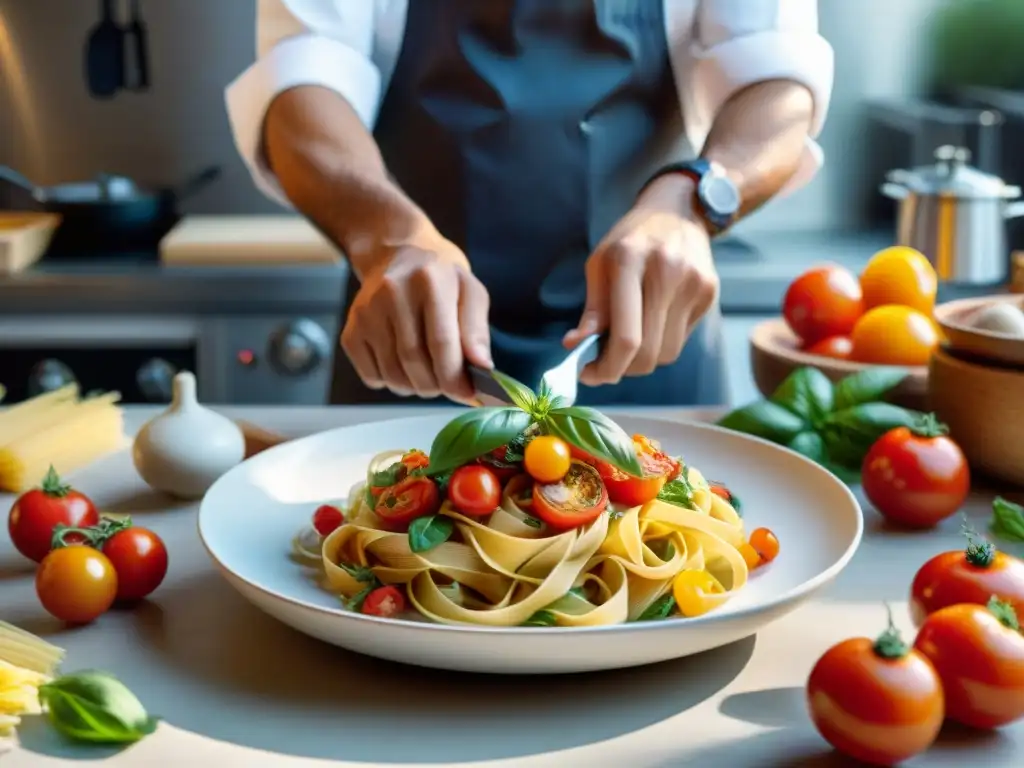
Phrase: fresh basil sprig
pixel 95 707
pixel 425 533
pixel 474 433
pixel 833 425
pixel 1007 520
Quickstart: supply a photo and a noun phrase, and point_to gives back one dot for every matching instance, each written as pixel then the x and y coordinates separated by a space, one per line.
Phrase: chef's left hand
pixel 648 284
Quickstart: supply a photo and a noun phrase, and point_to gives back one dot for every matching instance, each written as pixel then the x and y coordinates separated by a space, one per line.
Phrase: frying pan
pixel 109 212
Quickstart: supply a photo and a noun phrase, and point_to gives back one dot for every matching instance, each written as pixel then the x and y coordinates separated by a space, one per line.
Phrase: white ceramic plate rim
pixel 807 587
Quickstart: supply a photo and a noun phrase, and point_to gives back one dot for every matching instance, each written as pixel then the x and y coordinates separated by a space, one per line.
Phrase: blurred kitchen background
pixel 911 76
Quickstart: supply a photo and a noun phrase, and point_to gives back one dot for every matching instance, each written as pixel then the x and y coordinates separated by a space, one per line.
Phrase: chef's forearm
pixel 759 137
pixel 329 166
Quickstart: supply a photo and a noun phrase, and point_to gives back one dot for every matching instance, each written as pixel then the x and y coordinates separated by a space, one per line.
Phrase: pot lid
pixel 952 176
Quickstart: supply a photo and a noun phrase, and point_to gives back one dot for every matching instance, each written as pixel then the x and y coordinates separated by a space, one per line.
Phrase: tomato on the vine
pixel 970 575
pixel 878 701
pixel 37 512
pixel 474 490
pixel 823 302
pixel 385 602
pixel 76 584
pixel 658 468
pixel 916 476
pixel 978 652
pixel 579 498
pixel 139 558
pixel 546 458
pixel 400 504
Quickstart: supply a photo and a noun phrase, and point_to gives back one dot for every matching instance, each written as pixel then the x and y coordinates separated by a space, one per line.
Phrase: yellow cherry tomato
pixel 765 543
pixel 693 592
pixel 750 556
pixel 902 276
pixel 547 459
pixel 894 335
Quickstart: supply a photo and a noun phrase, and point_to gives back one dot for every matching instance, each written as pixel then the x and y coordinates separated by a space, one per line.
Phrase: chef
pixel 506 177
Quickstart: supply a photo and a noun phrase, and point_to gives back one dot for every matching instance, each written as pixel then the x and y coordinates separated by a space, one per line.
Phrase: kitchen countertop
pixel 754 272
pixel 236 689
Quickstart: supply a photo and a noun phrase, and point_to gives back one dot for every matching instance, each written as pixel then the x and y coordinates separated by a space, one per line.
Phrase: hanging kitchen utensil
pixel 956 216
pixel 136 43
pixel 104 54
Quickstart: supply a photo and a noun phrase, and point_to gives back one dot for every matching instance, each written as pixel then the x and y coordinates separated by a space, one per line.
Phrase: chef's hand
pixel 648 284
pixel 418 317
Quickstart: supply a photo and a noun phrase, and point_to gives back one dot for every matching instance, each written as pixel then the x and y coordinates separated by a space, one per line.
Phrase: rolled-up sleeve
pixel 737 43
pixel 303 42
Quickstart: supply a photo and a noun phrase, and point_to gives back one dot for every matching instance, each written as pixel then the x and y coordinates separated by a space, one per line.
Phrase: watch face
pixel 719 195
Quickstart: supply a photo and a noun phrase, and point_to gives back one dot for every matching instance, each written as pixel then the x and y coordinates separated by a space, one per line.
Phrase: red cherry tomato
pixel 140 559
pixel 474 490
pixel 979 654
pixel 37 512
pixel 823 302
pixel 579 498
pixel 837 347
pixel 877 701
pixel 916 477
pixel 967 576
pixel 385 602
pixel 400 504
pixel 495 461
pixel 658 469
pixel 327 518
pixel 76 584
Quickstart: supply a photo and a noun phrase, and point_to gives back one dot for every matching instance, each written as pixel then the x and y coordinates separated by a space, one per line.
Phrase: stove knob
pixel 155 378
pixel 298 347
pixel 48 375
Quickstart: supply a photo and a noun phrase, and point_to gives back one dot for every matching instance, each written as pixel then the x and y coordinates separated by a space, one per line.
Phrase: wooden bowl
pixel 954 318
pixel 775 353
pixel 983 406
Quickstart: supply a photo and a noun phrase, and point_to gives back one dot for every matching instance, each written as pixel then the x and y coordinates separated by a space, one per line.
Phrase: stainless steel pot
pixel 956 216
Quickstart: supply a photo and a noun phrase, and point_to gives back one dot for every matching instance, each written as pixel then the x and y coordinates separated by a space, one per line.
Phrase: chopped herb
pixel 442 479
pixel 388 477
pixel 425 533
pixel 541 619
pixel 614 513
pixel 678 492
pixel 358 572
pixel 578 591
pixel 516 448
pixel 533 522
pixel 659 609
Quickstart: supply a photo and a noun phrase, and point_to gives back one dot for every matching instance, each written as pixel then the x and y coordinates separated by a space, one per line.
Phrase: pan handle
pixel 17 192
pixel 196 183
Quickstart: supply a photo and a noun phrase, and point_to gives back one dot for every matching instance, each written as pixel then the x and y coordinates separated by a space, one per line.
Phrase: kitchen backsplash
pixel 52 130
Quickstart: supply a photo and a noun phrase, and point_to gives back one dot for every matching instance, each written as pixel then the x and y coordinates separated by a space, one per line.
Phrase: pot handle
pixel 894 191
pixel 1013 210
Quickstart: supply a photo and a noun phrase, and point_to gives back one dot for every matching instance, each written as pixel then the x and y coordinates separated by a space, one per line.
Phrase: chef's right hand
pixel 419 316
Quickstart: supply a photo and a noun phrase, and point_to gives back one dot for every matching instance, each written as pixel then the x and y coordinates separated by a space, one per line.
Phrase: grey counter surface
pixel 755 271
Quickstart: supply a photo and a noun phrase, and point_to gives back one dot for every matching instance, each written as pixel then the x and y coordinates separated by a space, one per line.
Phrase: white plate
pixel 248 518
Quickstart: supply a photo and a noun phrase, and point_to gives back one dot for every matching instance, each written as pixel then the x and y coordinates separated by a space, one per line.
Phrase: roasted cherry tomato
pixel 823 302
pixel 878 701
pixel 692 591
pixel 658 468
pixel 979 654
pixel 497 462
pixel 400 504
pixel 37 512
pixel 893 335
pixel 327 518
pixel 916 476
pixel 385 602
pixel 415 459
pixel 765 543
pixel 76 584
pixel 139 558
pixel 474 490
pixel 578 499
pixel 899 275
pixel 837 347
pixel 972 575
pixel 547 458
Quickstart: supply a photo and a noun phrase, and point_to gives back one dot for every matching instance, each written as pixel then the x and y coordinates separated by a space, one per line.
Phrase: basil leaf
pixel 593 432
pixel 1007 520
pixel 659 609
pixel 578 592
pixel 358 572
pixel 867 386
pixel 388 476
pixel 811 445
pixel 518 393
pixel 95 707
pixel 533 522
pixel 859 427
pixel 807 392
pixel 425 533
pixel 765 419
pixel 474 433
pixel 541 619
pixel 678 492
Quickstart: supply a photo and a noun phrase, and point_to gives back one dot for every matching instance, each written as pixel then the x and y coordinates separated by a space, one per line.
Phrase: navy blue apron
pixel 524 129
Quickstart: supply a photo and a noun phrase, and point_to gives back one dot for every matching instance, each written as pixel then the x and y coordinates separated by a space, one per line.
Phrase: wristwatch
pixel 717 199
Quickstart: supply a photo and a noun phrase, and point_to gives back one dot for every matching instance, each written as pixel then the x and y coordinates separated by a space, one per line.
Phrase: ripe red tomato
pixel 400 504
pixel 658 468
pixel 37 512
pixel 916 477
pixel 979 654
pixel 823 302
pixel 385 602
pixel 327 518
pixel 140 559
pixel 878 701
pixel 837 347
pixel 474 490
pixel 967 576
pixel 76 584
pixel 579 498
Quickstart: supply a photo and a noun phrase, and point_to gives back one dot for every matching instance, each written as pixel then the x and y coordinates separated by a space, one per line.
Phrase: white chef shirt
pixel 717 47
